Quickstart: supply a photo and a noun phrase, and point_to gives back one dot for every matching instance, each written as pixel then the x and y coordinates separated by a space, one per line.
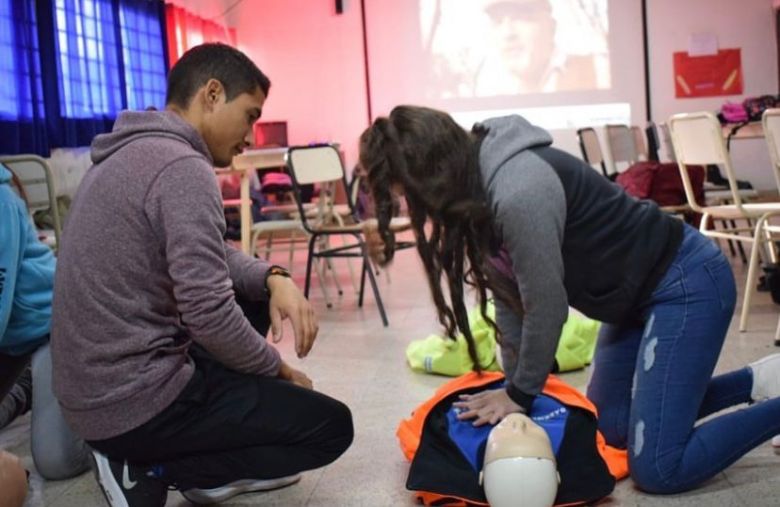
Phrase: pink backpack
pixel 734 113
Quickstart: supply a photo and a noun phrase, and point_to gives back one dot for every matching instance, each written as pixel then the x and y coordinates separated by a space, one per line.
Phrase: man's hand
pixel 297 377
pixel 487 407
pixel 287 301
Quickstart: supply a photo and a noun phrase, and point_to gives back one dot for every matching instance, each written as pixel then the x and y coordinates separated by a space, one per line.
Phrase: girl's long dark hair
pixel 436 162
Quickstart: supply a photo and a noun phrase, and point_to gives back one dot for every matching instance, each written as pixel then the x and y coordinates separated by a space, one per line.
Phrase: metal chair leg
pixel 363 268
pixel 753 268
pixel 777 333
pixel 324 245
pixel 292 251
pixel 729 242
pixel 739 245
pixel 268 242
pixel 372 280
pixel 321 276
pixel 309 260
pixel 329 267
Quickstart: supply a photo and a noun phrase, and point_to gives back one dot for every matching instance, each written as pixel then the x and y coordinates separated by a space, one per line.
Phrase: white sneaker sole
pixel 216 495
pixel 104 477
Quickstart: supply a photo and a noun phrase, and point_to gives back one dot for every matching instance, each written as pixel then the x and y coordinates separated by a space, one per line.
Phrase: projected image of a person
pixel 522 54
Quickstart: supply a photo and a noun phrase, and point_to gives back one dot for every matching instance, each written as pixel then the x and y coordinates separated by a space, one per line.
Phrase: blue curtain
pixel 22 117
pixel 96 58
pixel 88 86
pixel 143 53
pixel 89 81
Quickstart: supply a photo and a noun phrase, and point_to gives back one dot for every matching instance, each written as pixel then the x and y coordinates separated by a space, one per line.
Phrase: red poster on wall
pixel 708 76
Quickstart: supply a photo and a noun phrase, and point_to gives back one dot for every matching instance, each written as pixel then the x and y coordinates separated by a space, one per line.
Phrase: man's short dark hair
pixel 237 73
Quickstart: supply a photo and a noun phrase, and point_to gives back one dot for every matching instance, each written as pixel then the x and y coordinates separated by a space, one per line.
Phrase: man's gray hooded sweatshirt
pixel 572 238
pixel 143 272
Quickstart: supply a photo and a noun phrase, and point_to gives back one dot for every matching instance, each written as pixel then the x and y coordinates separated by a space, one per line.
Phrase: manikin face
pixel 227 125
pixel 518 435
pixel 519 467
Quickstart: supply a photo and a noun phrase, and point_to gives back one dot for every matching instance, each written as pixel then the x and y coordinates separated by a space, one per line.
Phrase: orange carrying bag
pixel 442 473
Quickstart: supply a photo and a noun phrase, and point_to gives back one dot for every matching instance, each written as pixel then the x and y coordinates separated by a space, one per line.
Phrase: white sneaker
pixel 776 441
pixel 222 493
pixel 766 378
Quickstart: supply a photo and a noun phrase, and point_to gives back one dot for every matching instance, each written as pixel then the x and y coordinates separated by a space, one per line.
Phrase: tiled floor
pixel 358 361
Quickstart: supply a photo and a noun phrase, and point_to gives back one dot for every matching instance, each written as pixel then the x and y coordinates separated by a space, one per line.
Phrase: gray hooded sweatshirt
pixel 573 238
pixel 142 272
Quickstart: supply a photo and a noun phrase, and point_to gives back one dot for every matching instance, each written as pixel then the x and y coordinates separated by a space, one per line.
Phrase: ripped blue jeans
pixel 653 384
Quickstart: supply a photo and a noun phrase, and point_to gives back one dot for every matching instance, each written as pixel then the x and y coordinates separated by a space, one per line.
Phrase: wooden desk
pixel 244 164
pixel 753 130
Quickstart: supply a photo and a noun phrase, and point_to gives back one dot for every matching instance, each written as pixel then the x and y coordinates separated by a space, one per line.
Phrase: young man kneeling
pixel 160 360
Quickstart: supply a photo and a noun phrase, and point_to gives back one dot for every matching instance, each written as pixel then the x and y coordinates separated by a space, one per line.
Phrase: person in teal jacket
pixel 26 282
pixel 26 277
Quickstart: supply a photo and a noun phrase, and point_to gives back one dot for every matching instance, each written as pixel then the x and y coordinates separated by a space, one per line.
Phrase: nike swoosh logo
pixel 126 482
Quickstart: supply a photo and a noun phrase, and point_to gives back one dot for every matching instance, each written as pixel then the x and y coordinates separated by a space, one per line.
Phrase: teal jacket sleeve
pixel 10 234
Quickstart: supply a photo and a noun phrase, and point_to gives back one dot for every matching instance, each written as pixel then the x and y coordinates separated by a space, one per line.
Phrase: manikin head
pixel 520 468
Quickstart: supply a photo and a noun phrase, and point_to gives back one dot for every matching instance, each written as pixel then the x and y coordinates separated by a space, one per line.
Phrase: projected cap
pixel 515 8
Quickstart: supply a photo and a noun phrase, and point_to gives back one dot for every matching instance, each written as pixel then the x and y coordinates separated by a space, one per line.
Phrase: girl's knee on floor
pixel 612 425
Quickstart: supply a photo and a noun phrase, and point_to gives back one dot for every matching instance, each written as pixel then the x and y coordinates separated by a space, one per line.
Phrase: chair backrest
pixel 591 148
pixel 37 179
pixel 698 140
pixel 771 122
pixel 314 164
pixel 621 146
pixel 640 146
pixel 317 165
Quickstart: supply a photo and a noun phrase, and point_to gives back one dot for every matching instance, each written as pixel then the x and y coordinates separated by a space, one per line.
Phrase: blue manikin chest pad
pixel 547 412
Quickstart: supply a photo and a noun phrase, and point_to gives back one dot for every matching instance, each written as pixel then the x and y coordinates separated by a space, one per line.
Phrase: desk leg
pixel 246 213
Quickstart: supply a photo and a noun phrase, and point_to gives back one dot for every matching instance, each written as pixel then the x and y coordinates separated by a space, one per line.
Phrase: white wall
pixel 745 24
pixel 314 59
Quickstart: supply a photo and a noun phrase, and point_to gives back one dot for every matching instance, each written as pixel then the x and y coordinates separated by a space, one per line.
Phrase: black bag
pixel 755 106
pixel 715 177
pixel 771 281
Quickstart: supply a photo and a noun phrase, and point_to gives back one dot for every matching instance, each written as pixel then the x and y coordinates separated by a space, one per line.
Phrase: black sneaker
pixel 126 485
